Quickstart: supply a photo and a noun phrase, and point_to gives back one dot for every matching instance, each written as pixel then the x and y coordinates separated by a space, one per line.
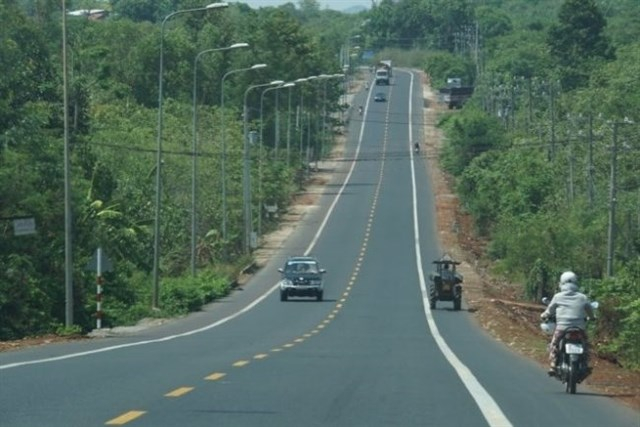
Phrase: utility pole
pixel 612 202
pixel 590 166
pixel 68 241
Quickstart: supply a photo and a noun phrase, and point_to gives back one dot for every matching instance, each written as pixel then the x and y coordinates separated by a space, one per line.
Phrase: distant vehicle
pixel 455 95
pixel 380 97
pixel 382 77
pixel 301 277
pixel 384 72
pixel 386 63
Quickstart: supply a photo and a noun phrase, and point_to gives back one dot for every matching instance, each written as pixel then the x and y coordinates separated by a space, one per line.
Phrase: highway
pixel 371 354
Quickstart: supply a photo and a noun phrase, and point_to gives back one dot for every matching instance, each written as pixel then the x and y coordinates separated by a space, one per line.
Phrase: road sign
pixel 24 226
pixel 99 262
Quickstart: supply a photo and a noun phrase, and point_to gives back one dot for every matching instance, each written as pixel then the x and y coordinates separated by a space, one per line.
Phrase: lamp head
pixel 237 45
pixel 219 5
pixel 258 66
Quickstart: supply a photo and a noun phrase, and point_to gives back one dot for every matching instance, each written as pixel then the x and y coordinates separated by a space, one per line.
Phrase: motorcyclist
pixel 570 308
pixel 360 109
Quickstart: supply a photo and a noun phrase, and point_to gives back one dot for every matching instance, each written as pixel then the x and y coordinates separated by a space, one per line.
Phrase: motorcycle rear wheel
pixel 572 378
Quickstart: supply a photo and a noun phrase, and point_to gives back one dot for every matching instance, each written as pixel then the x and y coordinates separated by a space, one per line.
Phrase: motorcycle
pixel 416 148
pixel 571 367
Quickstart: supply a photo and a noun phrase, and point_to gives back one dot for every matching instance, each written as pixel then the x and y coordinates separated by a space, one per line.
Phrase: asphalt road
pixel 371 354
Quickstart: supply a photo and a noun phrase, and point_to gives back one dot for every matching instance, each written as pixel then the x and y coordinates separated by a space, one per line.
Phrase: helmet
pixel 568 277
pixel 548 327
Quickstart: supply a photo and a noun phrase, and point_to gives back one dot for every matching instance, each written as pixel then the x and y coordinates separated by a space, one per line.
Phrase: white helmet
pixel 568 277
pixel 548 327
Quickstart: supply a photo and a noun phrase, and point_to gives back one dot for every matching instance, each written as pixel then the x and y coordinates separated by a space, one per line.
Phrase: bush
pixel 617 331
pixel 182 295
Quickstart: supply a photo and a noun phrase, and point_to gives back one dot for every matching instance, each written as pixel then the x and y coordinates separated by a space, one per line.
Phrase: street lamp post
pixel 301 80
pixel 261 155
pixel 224 145
pixel 156 228
pixel 306 79
pixel 194 149
pixel 246 177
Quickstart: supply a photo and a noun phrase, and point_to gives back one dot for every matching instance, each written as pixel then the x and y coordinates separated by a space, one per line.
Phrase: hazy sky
pixel 331 4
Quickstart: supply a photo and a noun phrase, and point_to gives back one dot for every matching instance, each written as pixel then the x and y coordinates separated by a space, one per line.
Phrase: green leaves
pixel 577 40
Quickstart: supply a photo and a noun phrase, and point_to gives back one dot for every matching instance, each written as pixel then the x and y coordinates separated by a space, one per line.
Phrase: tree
pixel 578 40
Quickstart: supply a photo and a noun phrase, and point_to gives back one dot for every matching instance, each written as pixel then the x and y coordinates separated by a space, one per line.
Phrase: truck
pixel 455 94
pixel 384 72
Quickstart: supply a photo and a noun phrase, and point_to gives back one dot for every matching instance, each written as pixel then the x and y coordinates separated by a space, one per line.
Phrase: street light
pixel 308 79
pixel 246 177
pixel 301 80
pixel 156 228
pixel 194 149
pixel 224 145
pixel 323 139
pixel 282 86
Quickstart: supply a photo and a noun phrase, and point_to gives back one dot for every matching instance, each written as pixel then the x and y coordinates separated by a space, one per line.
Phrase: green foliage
pixel 469 134
pixel 539 282
pixel 577 39
pixel 440 65
pixel 618 325
pixel 68 331
pixel 180 296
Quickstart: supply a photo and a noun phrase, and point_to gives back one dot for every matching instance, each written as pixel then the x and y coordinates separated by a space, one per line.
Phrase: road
pixel 371 354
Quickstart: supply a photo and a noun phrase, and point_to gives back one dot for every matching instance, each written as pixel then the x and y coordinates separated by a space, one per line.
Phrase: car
pixel 301 277
pixel 380 97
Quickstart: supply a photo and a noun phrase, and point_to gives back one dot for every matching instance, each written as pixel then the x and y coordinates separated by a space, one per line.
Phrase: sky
pixel 331 4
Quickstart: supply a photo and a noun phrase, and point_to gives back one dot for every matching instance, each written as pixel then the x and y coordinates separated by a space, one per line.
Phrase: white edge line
pixel 489 408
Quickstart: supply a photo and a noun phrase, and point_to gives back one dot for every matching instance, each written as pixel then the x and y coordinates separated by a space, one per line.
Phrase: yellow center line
pixel 288 345
pixel 240 363
pixel 181 391
pixel 125 418
pixel 261 356
pixel 215 376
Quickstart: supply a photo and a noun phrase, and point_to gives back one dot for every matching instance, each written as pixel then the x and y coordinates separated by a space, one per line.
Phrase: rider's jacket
pixel 570 307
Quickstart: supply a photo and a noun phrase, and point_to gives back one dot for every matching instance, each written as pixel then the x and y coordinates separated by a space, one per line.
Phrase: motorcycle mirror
pixel 545 301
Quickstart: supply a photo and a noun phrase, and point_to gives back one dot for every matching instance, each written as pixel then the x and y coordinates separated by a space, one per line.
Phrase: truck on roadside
pixel 455 94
